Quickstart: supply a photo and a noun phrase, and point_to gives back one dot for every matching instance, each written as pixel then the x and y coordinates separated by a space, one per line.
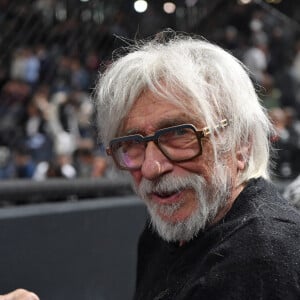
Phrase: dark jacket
pixel 252 253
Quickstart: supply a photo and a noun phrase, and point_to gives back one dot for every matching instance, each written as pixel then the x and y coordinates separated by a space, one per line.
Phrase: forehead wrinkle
pixel 167 121
pixel 183 118
pixel 171 113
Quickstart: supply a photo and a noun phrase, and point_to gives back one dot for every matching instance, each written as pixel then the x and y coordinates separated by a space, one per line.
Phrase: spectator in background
pixel 62 77
pixel 24 164
pixel 6 163
pixel 100 167
pixel 32 68
pixel 92 64
pixel 255 58
pixel 62 123
pixel 296 63
pixel 282 142
pixel 270 94
pixel 36 133
pixel 295 73
pixel 18 64
pixel 68 120
pixel 88 164
pixel 25 66
pixel 82 109
pixel 287 84
pixel 14 96
pixel 61 166
pixel 80 79
pixel 293 127
pixel 84 160
pixel 292 192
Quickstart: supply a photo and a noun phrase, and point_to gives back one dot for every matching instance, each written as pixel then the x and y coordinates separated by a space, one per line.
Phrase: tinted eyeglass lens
pixel 130 154
pixel 179 143
pixel 176 143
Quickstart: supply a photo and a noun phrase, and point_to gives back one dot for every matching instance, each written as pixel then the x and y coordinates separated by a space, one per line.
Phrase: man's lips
pixel 166 198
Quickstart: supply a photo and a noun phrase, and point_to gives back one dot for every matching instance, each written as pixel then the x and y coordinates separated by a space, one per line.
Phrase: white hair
pixel 215 82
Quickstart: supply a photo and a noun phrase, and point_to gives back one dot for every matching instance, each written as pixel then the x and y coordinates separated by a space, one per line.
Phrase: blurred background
pixel 68 224
pixel 52 50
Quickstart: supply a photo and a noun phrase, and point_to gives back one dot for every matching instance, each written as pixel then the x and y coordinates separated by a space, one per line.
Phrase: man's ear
pixel 242 156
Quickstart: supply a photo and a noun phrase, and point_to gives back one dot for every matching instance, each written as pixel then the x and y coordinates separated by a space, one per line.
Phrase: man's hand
pixel 20 294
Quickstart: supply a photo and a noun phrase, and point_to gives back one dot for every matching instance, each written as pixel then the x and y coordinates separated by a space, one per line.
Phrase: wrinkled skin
pixel 20 294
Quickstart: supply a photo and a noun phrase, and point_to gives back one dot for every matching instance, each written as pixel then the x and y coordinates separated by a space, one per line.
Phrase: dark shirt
pixel 252 253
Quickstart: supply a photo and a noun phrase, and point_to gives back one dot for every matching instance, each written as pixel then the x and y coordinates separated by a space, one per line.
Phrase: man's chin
pixel 173 228
pixel 174 218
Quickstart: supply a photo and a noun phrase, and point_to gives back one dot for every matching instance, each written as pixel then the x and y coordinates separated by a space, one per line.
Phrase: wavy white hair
pixel 215 83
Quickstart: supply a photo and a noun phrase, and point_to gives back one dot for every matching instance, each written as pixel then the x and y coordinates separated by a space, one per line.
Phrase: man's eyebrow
pixel 132 131
pixel 182 119
pixel 164 123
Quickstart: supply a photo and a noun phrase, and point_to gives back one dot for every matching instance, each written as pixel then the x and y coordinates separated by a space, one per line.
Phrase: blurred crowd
pixel 268 43
pixel 47 126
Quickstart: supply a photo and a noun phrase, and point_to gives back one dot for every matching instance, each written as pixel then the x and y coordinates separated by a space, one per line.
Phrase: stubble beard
pixel 211 198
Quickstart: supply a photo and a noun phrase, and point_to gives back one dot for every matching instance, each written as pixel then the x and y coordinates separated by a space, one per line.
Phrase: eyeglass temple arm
pixel 221 125
pixel 108 151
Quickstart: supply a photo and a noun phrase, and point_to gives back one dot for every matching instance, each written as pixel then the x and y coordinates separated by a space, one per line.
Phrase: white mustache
pixel 169 184
pixel 210 197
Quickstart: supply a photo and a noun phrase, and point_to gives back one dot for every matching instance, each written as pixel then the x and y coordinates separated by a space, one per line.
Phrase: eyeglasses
pixel 178 143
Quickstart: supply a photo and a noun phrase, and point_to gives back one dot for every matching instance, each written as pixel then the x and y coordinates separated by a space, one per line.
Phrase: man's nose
pixel 155 163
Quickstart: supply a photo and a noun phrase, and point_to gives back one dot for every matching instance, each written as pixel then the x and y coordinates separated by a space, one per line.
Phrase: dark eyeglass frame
pixel 202 133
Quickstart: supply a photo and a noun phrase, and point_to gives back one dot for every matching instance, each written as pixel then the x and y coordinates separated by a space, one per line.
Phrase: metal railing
pixel 28 191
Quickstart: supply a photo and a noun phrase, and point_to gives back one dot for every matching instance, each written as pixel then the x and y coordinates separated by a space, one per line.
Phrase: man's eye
pixel 180 131
pixel 177 133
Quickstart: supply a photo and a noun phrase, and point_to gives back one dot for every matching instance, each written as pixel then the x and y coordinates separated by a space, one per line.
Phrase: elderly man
pixel 182 117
